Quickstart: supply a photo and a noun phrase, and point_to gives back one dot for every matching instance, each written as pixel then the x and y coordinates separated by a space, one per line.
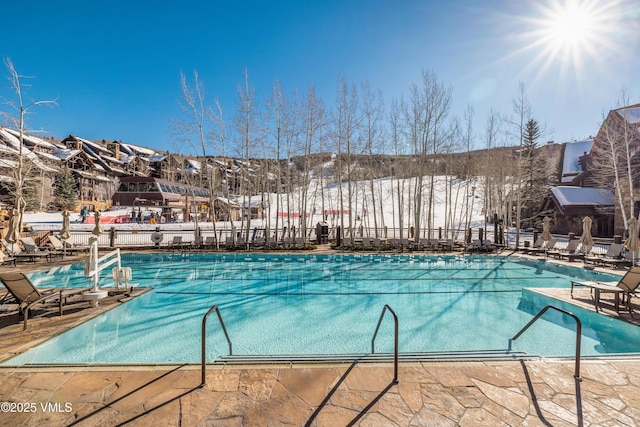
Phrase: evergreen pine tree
pixel 534 172
pixel 66 195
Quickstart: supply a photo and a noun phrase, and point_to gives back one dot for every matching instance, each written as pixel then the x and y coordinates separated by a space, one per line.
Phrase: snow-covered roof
pixel 93 145
pixel 119 170
pixel 92 176
pixel 227 201
pixel 157 158
pixel 138 149
pixel 8 150
pixel 193 164
pixel 33 140
pixel 8 163
pixel 111 159
pixel 572 151
pixel 583 196
pixel 65 153
pixel 49 156
pixel 126 158
pixel 14 142
pixel 254 203
pixel 630 114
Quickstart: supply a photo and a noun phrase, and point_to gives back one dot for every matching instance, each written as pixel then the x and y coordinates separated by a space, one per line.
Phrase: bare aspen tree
pixel 194 106
pixel 522 110
pixel 284 122
pixel 19 108
pixel 291 142
pixel 395 135
pixel 429 131
pixel 245 127
pixel 489 163
pixel 275 107
pixel 219 134
pixel 618 142
pixel 345 138
pixel 372 112
pixel 313 122
pixel 468 172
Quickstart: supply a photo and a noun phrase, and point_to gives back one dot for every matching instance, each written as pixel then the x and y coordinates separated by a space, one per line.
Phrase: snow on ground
pixel 387 208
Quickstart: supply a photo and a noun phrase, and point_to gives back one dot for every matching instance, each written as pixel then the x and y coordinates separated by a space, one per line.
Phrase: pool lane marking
pixel 334 293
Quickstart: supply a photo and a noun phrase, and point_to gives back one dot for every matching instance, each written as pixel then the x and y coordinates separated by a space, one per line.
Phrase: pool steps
pixel 482 355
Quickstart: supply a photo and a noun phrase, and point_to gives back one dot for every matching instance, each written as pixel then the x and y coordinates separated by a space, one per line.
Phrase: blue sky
pixel 115 65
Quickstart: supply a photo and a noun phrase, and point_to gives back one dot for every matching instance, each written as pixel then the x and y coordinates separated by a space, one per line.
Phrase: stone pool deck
pixel 528 393
pixel 536 392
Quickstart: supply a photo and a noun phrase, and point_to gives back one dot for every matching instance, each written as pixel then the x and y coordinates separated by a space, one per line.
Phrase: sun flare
pixel 571 26
pixel 571 37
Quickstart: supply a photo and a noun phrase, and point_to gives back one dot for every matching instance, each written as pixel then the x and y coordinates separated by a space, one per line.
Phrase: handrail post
pixel 204 340
pixel 395 341
pixel 578 333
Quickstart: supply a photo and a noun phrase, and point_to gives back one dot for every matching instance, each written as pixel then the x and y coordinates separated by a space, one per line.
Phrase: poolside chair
pixel 488 245
pixel 210 242
pixel 34 250
pixel 572 246
pixel 15 251
pixel 63 247
pixel 433 244
pixel 613 253
pixel 474 246
pixel 27 295
pixel 547 245
pixel 6 259
pixel 422 244
pixel 11 248
pixel 446 245
pixel 270 243
pixel 580 253
pixel 626 286
pixel 176 243
pixel 536 245
pixel 404 243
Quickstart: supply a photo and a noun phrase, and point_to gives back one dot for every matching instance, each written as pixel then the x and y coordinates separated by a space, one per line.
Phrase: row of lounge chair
pixel 574 250
pixel 27 249
pixel 211 243
pixel 440 245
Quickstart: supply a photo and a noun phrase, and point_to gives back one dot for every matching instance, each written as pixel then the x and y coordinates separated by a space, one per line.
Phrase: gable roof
pixel 630 113
pixel 583 196
pixel 571 166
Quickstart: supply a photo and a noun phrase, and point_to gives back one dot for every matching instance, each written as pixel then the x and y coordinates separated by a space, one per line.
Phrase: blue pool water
pixel 328 304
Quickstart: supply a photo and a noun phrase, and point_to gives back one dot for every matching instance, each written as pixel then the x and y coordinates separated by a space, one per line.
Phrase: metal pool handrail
pixel 395 341
pixel 204 340
pixel 578 333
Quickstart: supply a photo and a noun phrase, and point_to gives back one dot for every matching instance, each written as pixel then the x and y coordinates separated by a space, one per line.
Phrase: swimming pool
pixel 327 304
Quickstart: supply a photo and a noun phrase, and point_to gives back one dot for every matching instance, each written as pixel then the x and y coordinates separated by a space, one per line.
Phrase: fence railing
pixel 146 237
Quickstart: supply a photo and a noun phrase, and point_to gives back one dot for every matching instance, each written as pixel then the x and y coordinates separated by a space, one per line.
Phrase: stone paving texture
pixel 509 393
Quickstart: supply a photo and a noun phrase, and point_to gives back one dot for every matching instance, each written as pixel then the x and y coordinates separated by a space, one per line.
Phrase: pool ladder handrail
pixel 204 340
pixel 578 333
pixel 395 340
